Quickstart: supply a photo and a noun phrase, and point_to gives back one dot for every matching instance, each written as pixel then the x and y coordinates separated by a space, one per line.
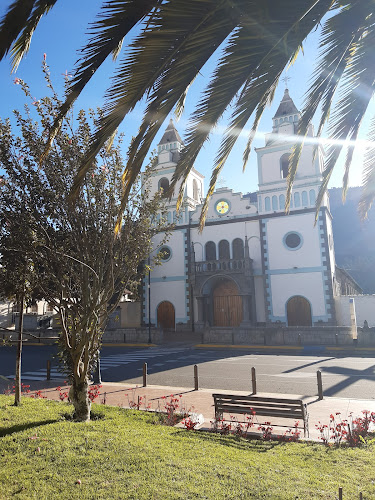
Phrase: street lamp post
pixel 149 302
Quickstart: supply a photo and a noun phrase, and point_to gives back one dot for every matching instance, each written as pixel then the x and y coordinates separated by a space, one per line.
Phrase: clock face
pixel 222 207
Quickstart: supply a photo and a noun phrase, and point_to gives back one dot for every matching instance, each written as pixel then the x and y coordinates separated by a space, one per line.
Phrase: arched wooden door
pixel 298 311
pixel 227 304
pixel 166 315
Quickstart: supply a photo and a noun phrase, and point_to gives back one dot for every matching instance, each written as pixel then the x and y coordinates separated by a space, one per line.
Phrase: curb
pixel 306 348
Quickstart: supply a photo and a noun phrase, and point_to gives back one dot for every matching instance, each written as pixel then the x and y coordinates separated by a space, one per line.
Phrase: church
pixel 252 265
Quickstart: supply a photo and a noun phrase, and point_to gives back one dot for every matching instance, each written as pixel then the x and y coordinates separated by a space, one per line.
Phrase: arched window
pixel 296 118
pixel 238 249
pixel 169 217
pixel 259 203
pixel 305 201
pixel 312 197
pixel 276 122
pixel 284 165
pixel 267 204
pixel 282 202
pixel 297 200
pixel 224 249
pixel 195 190
pixel 290 119
pixel 274 203
pixel 210 248
pixel 163 184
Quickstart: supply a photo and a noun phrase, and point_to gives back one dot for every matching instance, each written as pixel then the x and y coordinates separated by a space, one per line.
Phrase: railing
pixel 212 266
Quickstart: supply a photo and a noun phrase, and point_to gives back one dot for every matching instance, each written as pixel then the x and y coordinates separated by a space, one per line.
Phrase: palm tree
pixel 258 39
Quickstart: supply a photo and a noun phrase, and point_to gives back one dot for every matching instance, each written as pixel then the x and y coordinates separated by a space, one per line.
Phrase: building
pixel 252 264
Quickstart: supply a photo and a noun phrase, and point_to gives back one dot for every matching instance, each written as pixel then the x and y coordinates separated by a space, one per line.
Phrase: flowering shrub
pixel 94 391
pixel 266 430
pixel 242 428
pixel 62 394
pixel 38 395
pixel 172 416
pixel 189 423
pixel 353 430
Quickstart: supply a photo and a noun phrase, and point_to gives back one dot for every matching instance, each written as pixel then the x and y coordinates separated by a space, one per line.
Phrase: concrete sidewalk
pixel 201 401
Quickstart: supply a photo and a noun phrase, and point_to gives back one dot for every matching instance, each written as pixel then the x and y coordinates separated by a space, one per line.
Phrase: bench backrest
pixel 266 407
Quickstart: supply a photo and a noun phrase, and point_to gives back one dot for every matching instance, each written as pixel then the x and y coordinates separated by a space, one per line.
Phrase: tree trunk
pixel 78 395
pixel 18 389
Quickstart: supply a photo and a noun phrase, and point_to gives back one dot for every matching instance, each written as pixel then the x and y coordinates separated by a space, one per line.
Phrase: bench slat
pixel 258 404
pixel 257 398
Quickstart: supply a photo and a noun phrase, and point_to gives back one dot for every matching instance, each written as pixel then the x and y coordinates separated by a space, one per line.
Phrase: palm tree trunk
pixel 17 398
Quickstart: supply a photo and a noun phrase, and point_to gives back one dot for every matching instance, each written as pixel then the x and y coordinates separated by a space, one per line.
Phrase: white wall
pixel 364 308
pixel 309 285
pixel 308 255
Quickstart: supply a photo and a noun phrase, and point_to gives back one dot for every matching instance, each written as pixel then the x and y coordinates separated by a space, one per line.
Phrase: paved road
pixel 343 376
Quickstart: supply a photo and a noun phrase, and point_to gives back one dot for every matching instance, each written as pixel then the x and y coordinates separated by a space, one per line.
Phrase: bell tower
pixel 273 163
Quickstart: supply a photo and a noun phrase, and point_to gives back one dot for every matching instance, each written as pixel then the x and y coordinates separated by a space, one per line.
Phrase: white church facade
pixel 252 265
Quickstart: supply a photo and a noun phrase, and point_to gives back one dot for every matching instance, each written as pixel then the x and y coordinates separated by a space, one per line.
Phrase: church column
pixel 201 316
pixel 246 316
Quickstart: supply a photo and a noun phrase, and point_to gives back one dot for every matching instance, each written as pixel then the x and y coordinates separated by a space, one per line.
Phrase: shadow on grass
pixel 231 441
pixel 23 427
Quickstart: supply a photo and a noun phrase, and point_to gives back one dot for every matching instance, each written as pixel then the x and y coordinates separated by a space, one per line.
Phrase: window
pixel 284 165
pixel 224 249
pixel 282 202
pixel 259 203
pixel 293 241
pixel 267 204
pixel 312 197
pixel 165 253
pixel 164 185
pixel 297 200
pixel 210 250
pixel 305 201
pixel 274 203
pixel 238 249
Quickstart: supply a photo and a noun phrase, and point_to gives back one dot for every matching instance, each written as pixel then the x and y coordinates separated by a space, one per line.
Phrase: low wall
pixel 132 335
pixel 364 309
pixel 324 335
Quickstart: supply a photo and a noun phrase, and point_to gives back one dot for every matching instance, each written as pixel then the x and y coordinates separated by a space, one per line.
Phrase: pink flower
pixel 16 81
pixel 44 56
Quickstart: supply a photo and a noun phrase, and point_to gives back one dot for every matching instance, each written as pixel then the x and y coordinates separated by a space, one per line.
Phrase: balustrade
pixel 212 266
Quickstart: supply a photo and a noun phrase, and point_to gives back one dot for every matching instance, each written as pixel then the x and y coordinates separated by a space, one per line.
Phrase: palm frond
pixel 163 61
pixel 368 177
pixel 258 67
pixel 115 20
pixel 339 36
pixel 21 46
pixel 13 23
pixel 356 91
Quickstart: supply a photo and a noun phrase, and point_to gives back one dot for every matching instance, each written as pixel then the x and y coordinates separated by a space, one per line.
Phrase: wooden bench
pixel 265 407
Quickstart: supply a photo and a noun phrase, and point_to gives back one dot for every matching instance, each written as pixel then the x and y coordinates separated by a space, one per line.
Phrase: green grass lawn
pixel 126 454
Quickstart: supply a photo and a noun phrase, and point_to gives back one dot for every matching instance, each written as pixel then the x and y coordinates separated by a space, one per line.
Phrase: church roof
pixel 287 106
pixel 171 134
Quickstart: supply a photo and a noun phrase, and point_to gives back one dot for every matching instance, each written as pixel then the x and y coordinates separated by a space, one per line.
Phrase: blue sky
pixel 63 31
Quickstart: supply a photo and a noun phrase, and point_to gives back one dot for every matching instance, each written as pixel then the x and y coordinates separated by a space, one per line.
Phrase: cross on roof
pixel 286 79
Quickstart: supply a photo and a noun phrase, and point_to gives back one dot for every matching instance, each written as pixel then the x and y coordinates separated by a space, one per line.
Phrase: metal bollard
pixel 144 374
pixel 48 369
pixel 196 382
pixel 254 380
pixel 320 384
pixel 340 493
